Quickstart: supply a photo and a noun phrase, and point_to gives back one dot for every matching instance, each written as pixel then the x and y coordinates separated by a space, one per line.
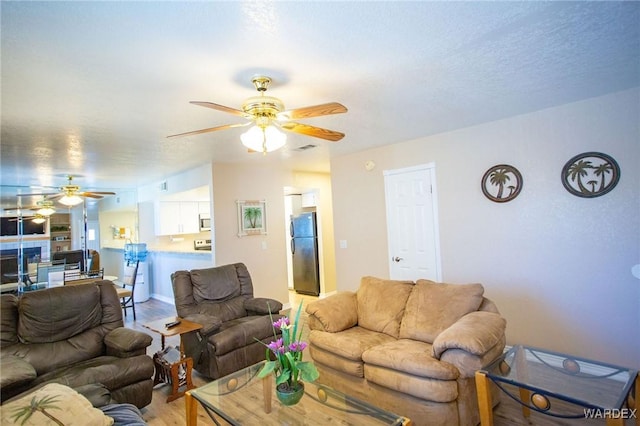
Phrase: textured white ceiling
pixel 94 88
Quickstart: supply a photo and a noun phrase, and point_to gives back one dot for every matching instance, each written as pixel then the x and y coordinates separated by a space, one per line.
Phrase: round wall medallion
pixel 590 174
pixel 501 183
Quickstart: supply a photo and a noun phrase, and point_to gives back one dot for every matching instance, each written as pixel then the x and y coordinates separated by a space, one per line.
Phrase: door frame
pixel 431 168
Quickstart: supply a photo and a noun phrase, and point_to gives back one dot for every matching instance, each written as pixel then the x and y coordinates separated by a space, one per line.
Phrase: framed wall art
pixel 252 217
pixel 590 174
pixel 501 183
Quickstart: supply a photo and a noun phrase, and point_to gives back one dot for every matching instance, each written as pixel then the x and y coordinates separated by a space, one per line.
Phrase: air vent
pixel 306 147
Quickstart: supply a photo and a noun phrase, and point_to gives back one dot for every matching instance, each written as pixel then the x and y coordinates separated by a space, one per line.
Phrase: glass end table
pixel 242 398
pixel 595 389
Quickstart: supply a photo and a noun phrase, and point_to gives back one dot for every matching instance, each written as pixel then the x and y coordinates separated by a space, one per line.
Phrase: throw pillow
pixel 433 307
pixel 53 401
pixel 381 304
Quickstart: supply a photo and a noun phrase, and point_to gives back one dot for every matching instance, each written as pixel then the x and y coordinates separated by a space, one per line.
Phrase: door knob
pixel 397 259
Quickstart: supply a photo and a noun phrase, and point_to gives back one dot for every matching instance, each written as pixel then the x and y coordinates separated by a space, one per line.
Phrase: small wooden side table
pixel 168 369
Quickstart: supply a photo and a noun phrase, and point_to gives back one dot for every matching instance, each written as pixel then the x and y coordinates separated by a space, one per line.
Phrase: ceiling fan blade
pixel 23 218
pixel 210 129
pixel 100 193
pixel 89 195
pixel 312 111
pixel 37 194
pixel 317 132
pixel 221 108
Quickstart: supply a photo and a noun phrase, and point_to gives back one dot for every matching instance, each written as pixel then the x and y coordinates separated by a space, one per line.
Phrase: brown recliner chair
pixel 221 299
pixel 74 336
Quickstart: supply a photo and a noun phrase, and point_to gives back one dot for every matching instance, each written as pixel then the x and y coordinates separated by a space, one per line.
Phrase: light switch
pixel 264 245
pixel 343 244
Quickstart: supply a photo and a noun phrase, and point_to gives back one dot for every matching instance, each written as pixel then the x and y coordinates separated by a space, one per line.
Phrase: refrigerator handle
pixel 291 228
pixel 293 246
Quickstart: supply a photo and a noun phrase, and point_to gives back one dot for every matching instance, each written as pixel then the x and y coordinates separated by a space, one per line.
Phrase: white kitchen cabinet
pixel 203 207
pixel 309 199
pixel 176 217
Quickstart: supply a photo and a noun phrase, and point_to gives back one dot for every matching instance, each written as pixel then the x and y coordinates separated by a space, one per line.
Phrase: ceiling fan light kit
pixel 268 115
pixel 70 200
pixel 38 219
pixel 263 139
pixel 45 211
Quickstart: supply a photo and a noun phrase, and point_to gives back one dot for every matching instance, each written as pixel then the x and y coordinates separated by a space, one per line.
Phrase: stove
pixel 202 245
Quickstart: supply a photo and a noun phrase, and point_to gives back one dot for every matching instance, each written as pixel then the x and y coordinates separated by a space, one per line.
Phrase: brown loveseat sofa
pixel 410 348
pixel 74 336
pixel 221 299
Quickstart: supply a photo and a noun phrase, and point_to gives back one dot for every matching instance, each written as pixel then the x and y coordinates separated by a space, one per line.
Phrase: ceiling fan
pixel 70 194
pixel 43 207
pixel 267 114
pixel 37 218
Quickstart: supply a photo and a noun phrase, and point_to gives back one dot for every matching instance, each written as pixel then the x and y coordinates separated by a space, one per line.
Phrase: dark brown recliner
pixel 74 336
pixel 221 299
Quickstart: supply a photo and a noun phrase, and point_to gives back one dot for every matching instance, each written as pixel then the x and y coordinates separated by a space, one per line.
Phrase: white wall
pixel 264 255
pixel 557 265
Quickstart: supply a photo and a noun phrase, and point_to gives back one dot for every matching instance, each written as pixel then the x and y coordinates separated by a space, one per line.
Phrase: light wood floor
pixel 161 413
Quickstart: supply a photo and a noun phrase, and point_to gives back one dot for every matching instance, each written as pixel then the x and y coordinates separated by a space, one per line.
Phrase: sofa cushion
pixel 350 343
pixel 420 387
pixel 66 405
pixel 411 357
pixel 350 367
pixel 381 304
pixel 112 372
pixel 433 307
pixel 241 332
pixel 51 316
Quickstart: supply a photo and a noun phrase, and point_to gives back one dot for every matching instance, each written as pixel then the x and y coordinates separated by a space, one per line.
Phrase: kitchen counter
pixel 162 262
pixel 166 250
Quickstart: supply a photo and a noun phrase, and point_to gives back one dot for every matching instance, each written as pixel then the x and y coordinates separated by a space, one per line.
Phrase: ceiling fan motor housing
pixel 263 107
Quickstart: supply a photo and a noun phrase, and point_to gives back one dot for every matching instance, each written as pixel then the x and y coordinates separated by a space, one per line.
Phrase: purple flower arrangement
pixel 287 351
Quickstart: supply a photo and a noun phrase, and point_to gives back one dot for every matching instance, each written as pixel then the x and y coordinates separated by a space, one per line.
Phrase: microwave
pixel 205 222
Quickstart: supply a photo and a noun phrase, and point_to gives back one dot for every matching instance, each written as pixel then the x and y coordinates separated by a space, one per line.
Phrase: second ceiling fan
pixel 267 114
pixel 70 194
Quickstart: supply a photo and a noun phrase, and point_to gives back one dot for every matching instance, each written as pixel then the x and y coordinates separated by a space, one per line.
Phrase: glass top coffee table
pixel 559 385
pixel 242 398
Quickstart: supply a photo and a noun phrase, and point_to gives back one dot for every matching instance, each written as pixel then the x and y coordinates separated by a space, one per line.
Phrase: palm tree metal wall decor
pixel 501 183
pixel 590 174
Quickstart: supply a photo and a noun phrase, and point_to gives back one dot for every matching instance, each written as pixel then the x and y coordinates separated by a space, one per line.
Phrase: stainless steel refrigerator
pixel 304 254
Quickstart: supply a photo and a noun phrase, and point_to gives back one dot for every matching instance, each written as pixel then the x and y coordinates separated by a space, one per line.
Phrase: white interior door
pixel 412 223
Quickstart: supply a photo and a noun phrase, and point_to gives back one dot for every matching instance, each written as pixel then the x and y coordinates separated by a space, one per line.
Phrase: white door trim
pixel 431 168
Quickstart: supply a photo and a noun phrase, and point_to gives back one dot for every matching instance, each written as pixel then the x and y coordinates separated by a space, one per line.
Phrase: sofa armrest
pixel 335 313
pixel 97 393
pixel 476 333
pixel 262 306
pixel 210 324
pixel 472 342
pixel 125 342
pixel 15 372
